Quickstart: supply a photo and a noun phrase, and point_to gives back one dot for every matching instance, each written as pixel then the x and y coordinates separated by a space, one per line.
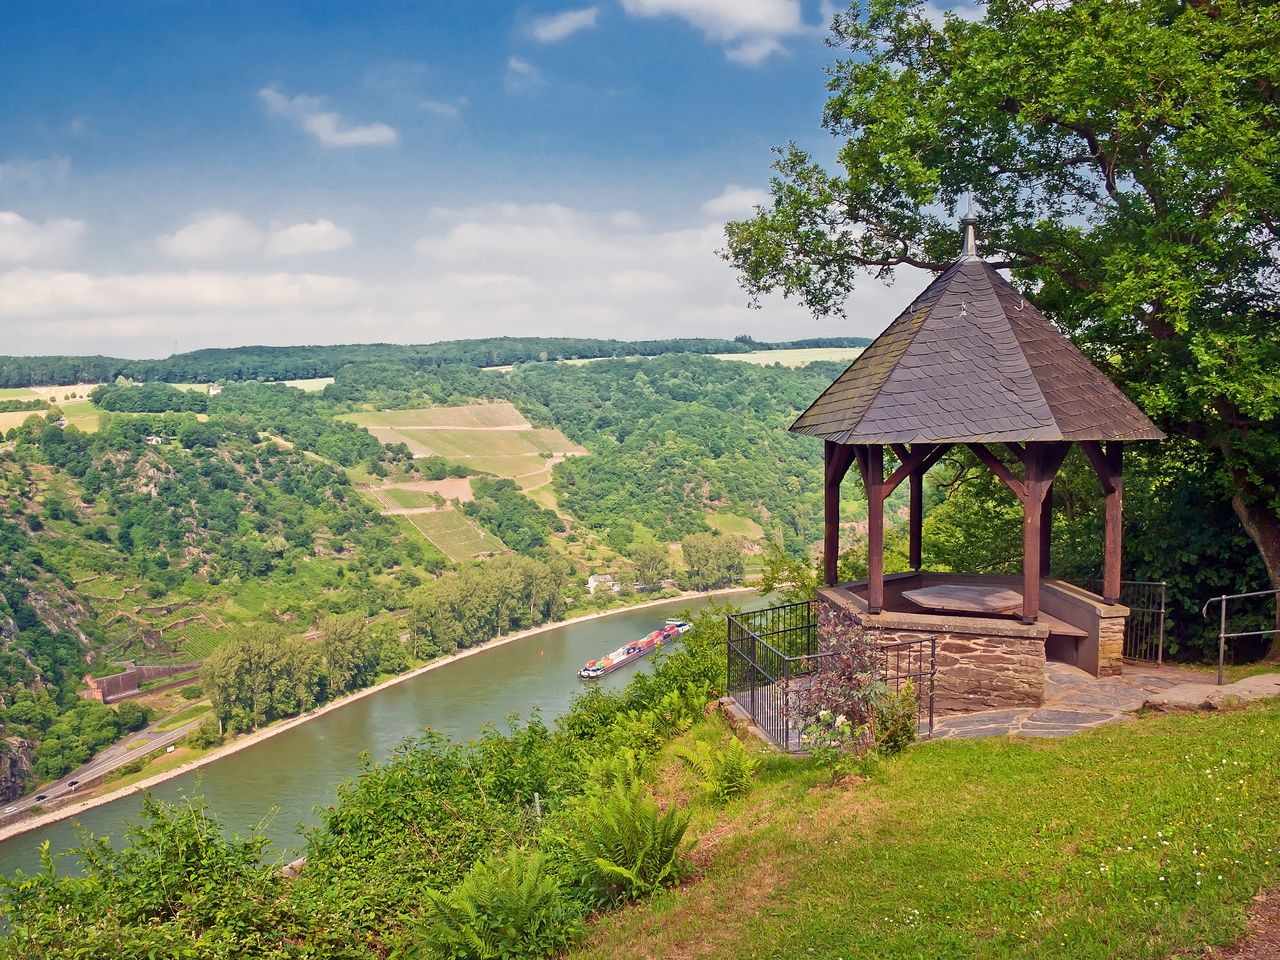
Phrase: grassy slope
pixel 1139 840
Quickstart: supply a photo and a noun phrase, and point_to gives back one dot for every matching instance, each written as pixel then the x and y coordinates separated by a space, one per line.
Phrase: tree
pixel 1125 157
pixel 651 564
pixel 349 656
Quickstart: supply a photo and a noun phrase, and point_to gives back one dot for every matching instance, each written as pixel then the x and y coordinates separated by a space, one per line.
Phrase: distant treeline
pixel 298 363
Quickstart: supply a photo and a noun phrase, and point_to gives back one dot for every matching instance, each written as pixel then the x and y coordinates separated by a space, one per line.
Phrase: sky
pixel 176 176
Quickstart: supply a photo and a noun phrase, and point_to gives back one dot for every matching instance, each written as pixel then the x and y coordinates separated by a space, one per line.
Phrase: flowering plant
pixel 835 744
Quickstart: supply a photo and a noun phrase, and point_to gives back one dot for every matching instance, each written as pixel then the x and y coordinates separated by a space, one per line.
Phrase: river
pixel 282 779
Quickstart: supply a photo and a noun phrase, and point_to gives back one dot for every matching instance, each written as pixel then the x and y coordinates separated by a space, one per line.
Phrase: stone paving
pixel 1076 701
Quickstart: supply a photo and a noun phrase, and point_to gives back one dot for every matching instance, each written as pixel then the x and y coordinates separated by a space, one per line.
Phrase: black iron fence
pixel 1144 630
pixel 771 652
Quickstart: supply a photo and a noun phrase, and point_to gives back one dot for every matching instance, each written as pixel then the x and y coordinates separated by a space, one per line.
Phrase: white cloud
pixel 750 29
pixel 753 52
pixel 327 126
pixel 213 237
pixel 444 108
pixel 24 241
pixel 513 269
pixel 522 75
pixel 27 293
pixel 34 173
pixel 319 236
pixel 558 26
pixel 492 270
pixel 735 201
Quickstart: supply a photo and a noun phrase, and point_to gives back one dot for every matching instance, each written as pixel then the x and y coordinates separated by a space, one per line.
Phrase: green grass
pixel 455 535
pixel 17 393
pixel 731 523
pixel 1141 840
pixel 183 716
pixel 411 499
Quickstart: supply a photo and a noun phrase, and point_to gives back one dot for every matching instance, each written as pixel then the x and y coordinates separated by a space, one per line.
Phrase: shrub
pixel 846 681
pixel 896 723
pixel 836 744
pixel 723 774
pixel 191 692
pixel 509 907
pixel 204 736
pixel 619 846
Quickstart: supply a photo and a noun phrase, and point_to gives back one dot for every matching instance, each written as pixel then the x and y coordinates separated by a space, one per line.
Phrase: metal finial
pixel 969 250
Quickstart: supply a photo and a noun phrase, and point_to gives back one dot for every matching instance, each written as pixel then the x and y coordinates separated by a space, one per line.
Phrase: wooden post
pixel 1114 457
pixel 1031 538
pixel 836 459
pixel 916 480
pixel 1108 464
pixel 1046 529
pixel 875 528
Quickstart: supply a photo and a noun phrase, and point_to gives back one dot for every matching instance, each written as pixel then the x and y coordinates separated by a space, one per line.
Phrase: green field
pixel 487 437
pixel 411 499
pixel 794 358
pixel 764 358
pixel 473 416
pixel 455 535
pixel 731 523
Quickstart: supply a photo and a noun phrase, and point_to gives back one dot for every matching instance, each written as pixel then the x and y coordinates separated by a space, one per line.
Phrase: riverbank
pixel 247 740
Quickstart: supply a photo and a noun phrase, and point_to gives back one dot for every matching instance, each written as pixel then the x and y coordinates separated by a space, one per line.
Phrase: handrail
pixel 1223 636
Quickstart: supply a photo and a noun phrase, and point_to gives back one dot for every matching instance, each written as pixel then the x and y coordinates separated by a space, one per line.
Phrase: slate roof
pixel 971 360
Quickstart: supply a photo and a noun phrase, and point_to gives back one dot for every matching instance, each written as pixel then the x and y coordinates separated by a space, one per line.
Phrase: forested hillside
pixel 193 517
pixel 292 363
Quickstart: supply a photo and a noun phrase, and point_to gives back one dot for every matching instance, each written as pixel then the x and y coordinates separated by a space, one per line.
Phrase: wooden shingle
pixel 971 360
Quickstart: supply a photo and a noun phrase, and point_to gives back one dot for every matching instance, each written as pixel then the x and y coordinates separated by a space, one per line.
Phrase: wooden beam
pixel 912 460
pixel 993 464
pixel 836 458
pixel 875 528
pixel 1098 458
pixel 1046 531
pixel 916 516
pixel 1108 464
pixel 1032 501
pixel 1112 549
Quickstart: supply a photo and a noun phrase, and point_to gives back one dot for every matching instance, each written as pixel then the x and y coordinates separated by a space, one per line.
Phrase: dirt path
pixel 1261 940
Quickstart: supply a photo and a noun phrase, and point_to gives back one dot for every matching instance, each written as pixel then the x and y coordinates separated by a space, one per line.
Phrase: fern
pixel 619 845
pixel 509 907
pixel 723 774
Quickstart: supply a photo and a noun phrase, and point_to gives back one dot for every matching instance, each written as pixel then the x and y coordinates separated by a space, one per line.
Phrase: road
pixel 144 742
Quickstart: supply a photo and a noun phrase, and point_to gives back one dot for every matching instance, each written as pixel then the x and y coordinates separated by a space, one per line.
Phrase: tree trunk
pixel 1263 526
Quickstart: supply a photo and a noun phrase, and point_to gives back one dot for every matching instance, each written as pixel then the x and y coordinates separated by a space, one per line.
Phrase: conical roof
pixel 971 360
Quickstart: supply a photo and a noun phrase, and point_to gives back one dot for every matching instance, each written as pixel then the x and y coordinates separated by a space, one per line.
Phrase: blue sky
pixel 184 175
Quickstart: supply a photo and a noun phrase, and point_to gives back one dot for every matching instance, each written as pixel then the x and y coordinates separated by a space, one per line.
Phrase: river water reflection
pixel 283 778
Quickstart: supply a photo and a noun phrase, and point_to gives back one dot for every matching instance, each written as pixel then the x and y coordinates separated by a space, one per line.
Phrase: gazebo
pixel 972 363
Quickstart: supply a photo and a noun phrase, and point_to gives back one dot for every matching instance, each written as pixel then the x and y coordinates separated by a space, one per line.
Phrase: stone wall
pixel 974 671
pixel 1111 647
pixel 125 684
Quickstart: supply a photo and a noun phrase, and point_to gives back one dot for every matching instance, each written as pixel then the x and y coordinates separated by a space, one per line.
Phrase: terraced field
pixel 455 535
pixel 488 437
pixel 731 523
pixel 412 499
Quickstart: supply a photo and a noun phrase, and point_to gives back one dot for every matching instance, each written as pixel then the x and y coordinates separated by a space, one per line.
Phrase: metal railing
pixel 770 650
pixel 1144 630
pixel 1223 635
pixel 767 650
pixel 914 661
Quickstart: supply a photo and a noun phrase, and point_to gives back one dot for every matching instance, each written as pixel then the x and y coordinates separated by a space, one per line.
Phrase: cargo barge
pixel 595 669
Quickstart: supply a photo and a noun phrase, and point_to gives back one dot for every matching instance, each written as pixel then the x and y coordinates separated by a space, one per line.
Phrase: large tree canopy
pixel 1125 158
